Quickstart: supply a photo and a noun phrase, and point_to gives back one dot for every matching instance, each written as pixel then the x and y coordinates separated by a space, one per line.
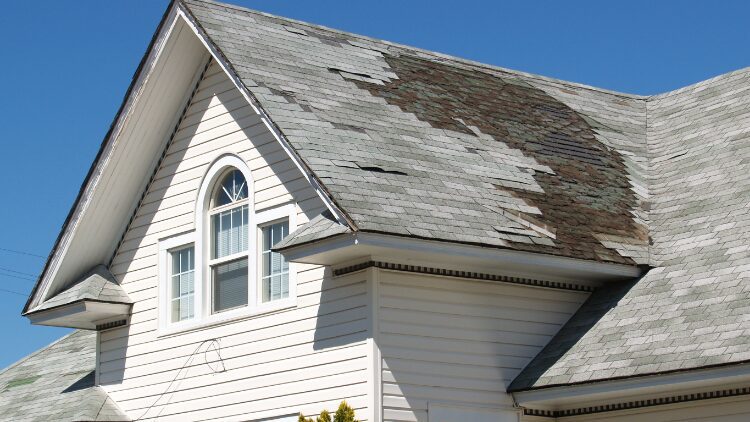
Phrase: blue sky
pixel 66 66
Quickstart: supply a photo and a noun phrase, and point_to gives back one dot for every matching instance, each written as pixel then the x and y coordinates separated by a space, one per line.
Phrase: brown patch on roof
pixel 589 191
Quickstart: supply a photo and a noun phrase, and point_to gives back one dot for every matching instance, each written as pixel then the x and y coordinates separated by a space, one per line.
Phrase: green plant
pixel 343 414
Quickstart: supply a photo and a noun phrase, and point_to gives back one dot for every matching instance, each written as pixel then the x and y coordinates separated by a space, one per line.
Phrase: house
pixel 284 216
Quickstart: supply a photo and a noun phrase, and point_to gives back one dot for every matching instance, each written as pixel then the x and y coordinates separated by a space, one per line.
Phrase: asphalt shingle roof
pixel 99 285
pixel 419 144
pixel 693 309
pixel 56 383
pixel 415 143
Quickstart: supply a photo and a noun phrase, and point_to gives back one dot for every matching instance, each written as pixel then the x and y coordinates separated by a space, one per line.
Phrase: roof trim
pixel 367 242
pixel 330 203
pixel 62 314
pixel 87 185
pixel 615 389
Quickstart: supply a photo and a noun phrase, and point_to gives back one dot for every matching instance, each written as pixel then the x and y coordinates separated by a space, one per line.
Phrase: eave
pixel 708 382
pixel 86 314
pixel 351 247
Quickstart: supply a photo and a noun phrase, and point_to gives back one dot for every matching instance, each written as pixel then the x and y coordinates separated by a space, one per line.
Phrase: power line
pixel 13 291
pixel 17 276
pixel 22 253
pixel 17 272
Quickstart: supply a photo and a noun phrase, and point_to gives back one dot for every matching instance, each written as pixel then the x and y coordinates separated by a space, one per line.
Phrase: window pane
pixel 229 232
pixel 233 188
pixel 230 285
pixel 182 284
pixel 274 268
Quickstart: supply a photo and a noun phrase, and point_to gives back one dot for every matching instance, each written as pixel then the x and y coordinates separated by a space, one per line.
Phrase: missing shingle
pixel 376 169
pixel 345 126
pixel 295 30
pixel 558 112
pixel 326 38
pixel 561 145
pixel 356 76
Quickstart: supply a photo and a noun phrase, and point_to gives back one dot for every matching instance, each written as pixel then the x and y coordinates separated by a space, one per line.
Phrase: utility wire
pixel 17 276
pixel 12 291
pixel 17 272
pixel 22 253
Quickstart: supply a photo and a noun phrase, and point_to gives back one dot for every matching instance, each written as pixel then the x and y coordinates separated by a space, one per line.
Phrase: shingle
pixel 449 133
pixel 98 284
pixel 56 383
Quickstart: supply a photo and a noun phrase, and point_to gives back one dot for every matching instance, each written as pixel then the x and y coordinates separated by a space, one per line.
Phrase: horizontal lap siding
pixel 305 358
pixel 458 341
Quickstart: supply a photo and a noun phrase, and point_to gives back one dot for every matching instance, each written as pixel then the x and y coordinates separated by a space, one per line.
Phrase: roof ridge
pixel 38 351
pixel 437 54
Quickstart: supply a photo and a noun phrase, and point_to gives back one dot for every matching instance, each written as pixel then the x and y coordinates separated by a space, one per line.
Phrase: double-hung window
pixel 182 284
pixel 228 261
pixel 226 268
pixel 274 277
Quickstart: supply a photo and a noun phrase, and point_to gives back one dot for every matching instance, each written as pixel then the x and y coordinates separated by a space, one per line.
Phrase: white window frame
pixel 201 239
pixel 213 262
pixel 166 247
pixel 264 218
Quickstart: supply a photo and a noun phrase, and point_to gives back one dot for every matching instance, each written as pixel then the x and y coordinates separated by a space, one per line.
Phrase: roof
pixel 419 144
pixel 56 383
pixel 321 227
pixel 415 143
pixel 98 285
pixel 693 309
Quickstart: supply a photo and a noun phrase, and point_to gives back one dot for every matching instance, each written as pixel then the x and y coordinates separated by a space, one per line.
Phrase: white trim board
pixel 352 246
pixel 631 389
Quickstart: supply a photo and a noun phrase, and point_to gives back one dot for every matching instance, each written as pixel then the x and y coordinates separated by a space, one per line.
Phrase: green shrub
pixel 343 414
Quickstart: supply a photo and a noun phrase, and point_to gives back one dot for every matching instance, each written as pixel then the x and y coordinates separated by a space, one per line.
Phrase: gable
pixel 218 121
pixel 127 156
pixel 416 144
pixel 132 150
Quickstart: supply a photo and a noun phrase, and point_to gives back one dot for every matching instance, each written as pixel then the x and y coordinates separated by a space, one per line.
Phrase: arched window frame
pixel 200 241
pixel 203 232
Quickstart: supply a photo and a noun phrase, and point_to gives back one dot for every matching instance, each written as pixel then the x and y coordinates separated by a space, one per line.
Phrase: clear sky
pixel 66 66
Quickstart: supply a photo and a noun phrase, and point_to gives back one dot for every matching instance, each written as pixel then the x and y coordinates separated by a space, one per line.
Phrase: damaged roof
pixel 98 285
pixel 416 143
pixel 419 144
pixel 56 383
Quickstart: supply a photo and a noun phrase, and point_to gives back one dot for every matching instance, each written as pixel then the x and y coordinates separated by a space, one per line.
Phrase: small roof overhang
pixel 95 302
pixel 84 314
pixel 336 246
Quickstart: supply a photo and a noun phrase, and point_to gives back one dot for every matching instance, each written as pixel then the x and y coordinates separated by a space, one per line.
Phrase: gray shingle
pixel 98 284
pixel 417 143
pixel 56 383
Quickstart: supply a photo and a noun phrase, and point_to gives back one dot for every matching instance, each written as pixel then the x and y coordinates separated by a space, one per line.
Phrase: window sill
pixel 227 317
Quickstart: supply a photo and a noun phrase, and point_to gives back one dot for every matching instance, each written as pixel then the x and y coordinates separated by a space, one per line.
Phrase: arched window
pixel 229 238
pixel 225 268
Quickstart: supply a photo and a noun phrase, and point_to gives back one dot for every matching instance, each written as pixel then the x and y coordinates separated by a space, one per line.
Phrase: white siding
pixel 447 340
pixel 306 358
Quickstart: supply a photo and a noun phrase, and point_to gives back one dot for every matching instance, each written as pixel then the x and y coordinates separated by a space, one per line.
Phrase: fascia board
pixel 601 392
pixel 77 211
pixel 349 245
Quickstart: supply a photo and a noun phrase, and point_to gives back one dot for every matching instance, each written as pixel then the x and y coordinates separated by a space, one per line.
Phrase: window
pixel 229 242
pixel 274 268
pixel 225 269
pixel 182 287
